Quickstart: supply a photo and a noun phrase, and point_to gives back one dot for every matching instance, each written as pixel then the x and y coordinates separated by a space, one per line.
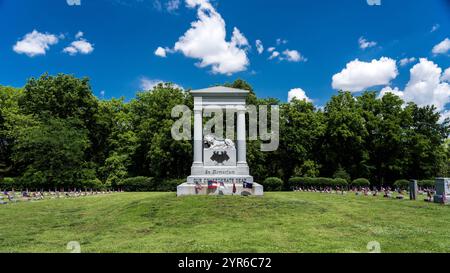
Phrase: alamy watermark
pixel 73 2
pixel 74 247
pixel 374 2
pixel 259 127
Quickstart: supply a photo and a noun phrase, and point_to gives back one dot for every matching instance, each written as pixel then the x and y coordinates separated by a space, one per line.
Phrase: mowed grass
pixel 278 222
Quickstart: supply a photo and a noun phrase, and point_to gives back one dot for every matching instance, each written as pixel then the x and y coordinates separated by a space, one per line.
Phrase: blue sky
pixel 113 42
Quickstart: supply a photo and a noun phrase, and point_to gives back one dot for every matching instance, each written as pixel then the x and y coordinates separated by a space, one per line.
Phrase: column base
pixel 242 168
pixel 188 189
pixel 197 168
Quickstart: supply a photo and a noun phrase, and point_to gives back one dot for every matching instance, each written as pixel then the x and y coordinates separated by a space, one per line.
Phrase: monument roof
pixel 220 90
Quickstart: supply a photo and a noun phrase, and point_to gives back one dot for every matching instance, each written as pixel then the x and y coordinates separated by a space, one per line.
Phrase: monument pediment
pixel 220 91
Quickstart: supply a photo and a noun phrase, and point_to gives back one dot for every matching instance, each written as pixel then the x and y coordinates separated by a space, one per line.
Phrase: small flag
pixel 198 188
pixel 248 185
pixel 212 185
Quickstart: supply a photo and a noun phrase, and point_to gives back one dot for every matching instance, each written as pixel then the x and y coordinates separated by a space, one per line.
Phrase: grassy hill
pixel 278 222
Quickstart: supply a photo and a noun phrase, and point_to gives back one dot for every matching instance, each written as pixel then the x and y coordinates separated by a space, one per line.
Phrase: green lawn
pixel 277 222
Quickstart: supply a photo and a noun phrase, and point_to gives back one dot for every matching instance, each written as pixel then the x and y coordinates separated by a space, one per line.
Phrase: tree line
pixel 54 133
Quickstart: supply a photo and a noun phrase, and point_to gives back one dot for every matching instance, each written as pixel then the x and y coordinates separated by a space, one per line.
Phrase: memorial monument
pixel 220 165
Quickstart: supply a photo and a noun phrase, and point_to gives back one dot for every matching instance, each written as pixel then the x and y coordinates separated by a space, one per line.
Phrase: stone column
pixel 241 138
pixel 198 137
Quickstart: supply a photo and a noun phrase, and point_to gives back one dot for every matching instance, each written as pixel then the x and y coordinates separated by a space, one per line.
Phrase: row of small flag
pixel 213 185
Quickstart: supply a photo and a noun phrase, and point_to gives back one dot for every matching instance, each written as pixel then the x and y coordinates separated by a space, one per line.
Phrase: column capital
pixel 241 109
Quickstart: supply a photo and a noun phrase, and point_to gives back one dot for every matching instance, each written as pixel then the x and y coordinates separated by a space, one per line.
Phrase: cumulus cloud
pixel 444 115
pixel 79 35
pixel 259 46
pixel 148 84
pixel 363 43
pixel 394 91
pixel 446 75
pixel 160 52
pixel 425 86
pixel 35 43
pixel 281 41
pixel 299 94
pixel 358 75
pixel 406 61
pixel 173 5
pixel 271 49
pixel 435 27
pixel 80 46
pixel 206 41
pixel 286 55
pixel 293 56
pixel 274 55
pixel 442 48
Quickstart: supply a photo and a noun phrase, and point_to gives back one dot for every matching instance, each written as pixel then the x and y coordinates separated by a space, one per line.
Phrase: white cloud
pixel 357 76
pixel 259 46
pixel 363 43
pixel 157 5
pixel 238 38
pixel 160 52
pixel 73 2
pixel 79 35
pixel 444 115
pixel 435 27
pixel 271 49
pixel 206 41
pixel 288 55
pixel 293 56
pixel 80 46
pixel 147 84
pixel 281 41
pixel 388 89
pixel 299 94
pixel 35 43
pixel 425 86
pixel 406 61
pixel 442 48
pixel 446 75
pixel 173 5
pixel 274 55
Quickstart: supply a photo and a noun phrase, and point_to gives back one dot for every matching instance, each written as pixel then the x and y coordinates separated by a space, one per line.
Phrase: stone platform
pixel 187 189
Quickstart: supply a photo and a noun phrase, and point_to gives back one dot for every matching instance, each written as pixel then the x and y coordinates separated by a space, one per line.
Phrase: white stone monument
pixel 219 168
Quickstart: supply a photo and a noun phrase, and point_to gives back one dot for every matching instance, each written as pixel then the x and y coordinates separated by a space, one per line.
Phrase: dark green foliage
pixel 341 173
pixel 317 182
pixel 138 184
pixel 340 182
pixel 427 184
pixel 8 183
pixel 401 184
pixel 93 184
pixel 51 154
pixel 301 182
pixel 361 182
pixel 169 185
pixel 323 181
pixel 273 184
pixel 54 133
